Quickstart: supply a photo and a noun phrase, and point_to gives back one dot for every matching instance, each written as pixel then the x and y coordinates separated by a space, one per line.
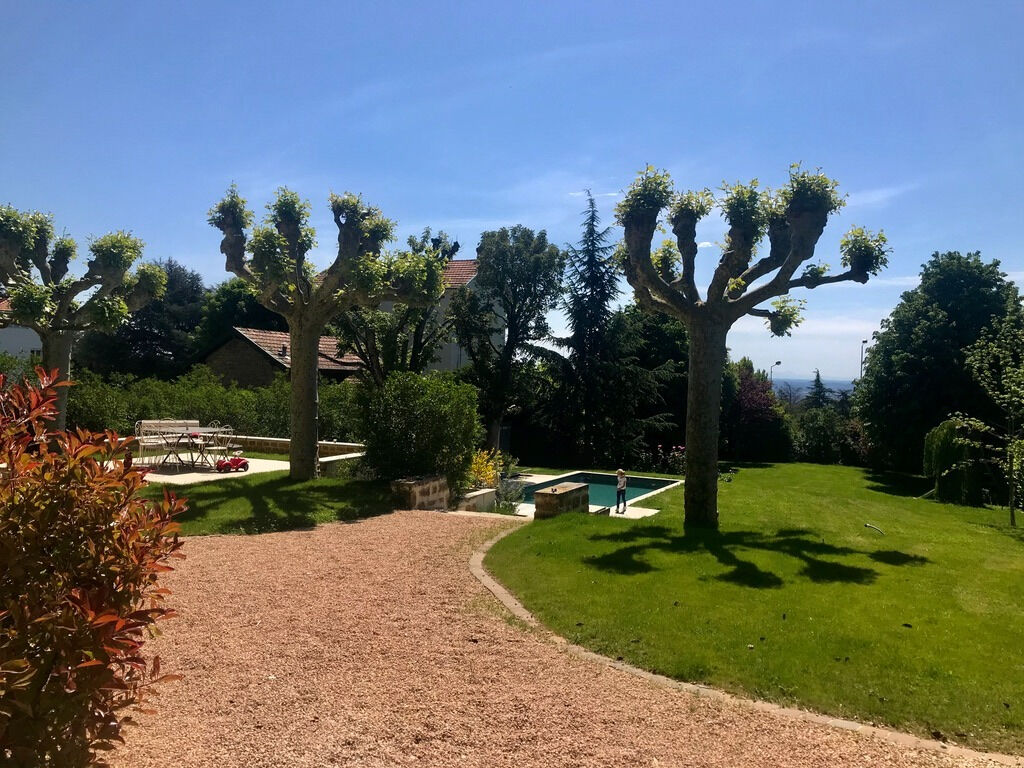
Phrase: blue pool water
pixel 602 486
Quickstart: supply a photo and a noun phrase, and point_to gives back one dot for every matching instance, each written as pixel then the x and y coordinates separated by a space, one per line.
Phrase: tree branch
pixel 804 230
pixel 640 271
pixel 684 227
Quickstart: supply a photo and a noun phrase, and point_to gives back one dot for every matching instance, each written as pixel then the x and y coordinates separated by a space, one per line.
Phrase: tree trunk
pixel 703 409
pixel 56 353
pixel 1013 488
pixel 494 433
pixel 305 405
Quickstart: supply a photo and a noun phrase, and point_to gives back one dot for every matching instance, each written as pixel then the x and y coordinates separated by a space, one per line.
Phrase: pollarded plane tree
pixel 35 272
pixel 401 337
pixel 285 282
pixel 793 219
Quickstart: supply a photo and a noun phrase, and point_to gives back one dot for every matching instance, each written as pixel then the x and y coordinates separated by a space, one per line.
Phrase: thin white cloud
pixel 594 194
pixel 705 244
pixel 878 196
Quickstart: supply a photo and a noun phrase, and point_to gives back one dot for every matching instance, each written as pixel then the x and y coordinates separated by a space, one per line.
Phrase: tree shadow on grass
pixel 819 558
pixel 736 466
pixel 897 483
pixel 267 503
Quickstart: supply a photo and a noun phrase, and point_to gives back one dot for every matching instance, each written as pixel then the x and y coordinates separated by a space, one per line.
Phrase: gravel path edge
pixel 517 609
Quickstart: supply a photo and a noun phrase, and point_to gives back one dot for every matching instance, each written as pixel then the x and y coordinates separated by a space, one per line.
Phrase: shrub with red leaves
pixel 80 553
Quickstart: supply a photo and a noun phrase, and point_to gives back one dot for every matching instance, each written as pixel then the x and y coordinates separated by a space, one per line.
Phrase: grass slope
pixel 796 601
pixel 270 501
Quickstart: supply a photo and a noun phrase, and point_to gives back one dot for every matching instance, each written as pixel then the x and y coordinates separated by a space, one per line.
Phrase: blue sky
pixel 470 116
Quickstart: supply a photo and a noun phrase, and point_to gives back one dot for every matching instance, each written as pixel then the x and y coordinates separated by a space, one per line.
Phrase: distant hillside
pixel 802 385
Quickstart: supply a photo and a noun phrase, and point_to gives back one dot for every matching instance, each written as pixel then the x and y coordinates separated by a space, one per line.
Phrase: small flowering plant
pixel 666 459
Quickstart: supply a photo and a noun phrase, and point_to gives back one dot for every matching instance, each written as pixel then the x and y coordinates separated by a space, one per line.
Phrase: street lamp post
pixel 770 367
pixel 863 343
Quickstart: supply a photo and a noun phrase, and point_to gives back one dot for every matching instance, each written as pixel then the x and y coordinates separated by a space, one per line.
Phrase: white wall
pixel 19 341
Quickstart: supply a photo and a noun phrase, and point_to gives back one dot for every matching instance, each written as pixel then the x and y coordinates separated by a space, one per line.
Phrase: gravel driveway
pixel 371 644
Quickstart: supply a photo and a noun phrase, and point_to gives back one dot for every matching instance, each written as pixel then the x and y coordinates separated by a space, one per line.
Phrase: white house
pixel 17 340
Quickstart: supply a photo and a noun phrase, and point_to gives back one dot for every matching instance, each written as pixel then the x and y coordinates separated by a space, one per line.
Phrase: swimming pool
pixel 602 486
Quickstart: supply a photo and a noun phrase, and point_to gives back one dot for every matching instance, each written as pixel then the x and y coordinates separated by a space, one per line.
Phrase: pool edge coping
pixel 672 483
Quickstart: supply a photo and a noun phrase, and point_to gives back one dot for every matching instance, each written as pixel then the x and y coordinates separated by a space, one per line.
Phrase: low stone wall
pixel 561 498
pixel 280 445
pixel 482 500
pixel 331 466
pixel 421 493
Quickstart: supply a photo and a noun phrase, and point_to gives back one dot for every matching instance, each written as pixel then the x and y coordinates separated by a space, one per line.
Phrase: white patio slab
pixel 632 513
pixel 188 475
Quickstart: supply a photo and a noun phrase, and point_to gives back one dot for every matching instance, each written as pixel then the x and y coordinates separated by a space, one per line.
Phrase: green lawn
pixel 269 501
pixel 796 601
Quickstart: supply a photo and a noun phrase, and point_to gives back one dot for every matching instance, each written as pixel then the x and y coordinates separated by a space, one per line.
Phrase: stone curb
pixel 506 598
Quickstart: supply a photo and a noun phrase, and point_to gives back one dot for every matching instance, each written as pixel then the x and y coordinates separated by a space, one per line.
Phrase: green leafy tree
pixel 754 424
pixel 996 361
pixel 44 296
pixel 818 396
pixel 501 319
pixel 793 220
pixel 157 340
pixel 418 425
pixel 233 303
pixel 915 373
pixel 405 337
pixel 602 391
pixel 285 281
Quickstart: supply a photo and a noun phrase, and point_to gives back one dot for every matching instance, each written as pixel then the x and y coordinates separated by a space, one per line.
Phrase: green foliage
pixel 864 253
pixel 508 496
pixel 694 204
pixel 744 208
pixel 818 396
pixel 948 460
pixel 809 191
pixel 108 312
pixel 649 193
pixel 786 314
pixel 157 339
pixel 996 361
pixel 20 229
pixel 270 259
pixel 231 212
pixel 665 259
pixel 822 433
pixel 499 321
pixel 374 228
pixel 916 372
pixel 407 337
pixel 115 252
pixel 80 553
pixel 117 403
pixel 232 303
pixel 15 369
pixel 31 302
pixel 417 425
pixel 754 426
pixel 150 279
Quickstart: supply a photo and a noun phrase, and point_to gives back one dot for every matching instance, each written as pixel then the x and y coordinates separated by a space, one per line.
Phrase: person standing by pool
pixel 620 490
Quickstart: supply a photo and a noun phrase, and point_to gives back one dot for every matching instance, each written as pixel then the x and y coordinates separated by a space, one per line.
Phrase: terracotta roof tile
pixel 273 342
pixel 458 272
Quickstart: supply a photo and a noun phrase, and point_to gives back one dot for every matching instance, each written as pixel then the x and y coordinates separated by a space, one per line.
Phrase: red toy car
pixel 235 463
